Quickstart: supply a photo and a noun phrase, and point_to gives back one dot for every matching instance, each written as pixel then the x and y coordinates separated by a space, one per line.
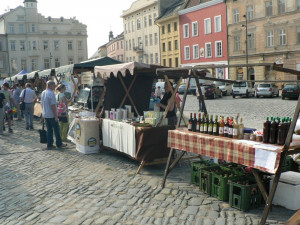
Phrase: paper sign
pixel 87 78
pixel 265 159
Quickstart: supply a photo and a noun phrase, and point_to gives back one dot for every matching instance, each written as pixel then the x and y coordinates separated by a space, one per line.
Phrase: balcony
pixel 138 49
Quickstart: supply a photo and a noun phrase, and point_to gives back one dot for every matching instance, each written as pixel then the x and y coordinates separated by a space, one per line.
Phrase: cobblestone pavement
pixel 39 186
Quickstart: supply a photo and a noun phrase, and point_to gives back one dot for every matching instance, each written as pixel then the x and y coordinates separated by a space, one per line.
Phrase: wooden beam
pixel 127 91
pixel 260 185
pixel 75 85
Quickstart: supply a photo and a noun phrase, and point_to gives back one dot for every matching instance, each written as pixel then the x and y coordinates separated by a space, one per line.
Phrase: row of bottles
pixel 276 130
pixel 218 127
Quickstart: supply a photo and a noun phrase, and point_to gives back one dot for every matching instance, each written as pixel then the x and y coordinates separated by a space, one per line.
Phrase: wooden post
pixel 260 185
pixel 200 92
pixel 127 91
pixel 75 85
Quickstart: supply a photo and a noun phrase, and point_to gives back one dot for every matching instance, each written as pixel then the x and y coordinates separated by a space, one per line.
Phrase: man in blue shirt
pixel 50 114
pixel 16 96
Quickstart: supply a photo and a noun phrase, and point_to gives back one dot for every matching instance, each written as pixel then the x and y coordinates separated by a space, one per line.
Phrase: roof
pixel 172 9
pixel 30 1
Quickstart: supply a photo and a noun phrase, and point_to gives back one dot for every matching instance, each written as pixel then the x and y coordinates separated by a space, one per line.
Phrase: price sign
pixel 87 78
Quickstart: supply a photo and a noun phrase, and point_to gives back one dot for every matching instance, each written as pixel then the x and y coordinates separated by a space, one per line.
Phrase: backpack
pixel 2 97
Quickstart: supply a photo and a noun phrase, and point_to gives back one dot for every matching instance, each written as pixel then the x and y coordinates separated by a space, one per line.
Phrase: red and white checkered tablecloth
pixel 219 147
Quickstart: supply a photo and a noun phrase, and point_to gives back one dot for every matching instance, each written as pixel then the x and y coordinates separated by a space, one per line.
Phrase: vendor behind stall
pixel 171 115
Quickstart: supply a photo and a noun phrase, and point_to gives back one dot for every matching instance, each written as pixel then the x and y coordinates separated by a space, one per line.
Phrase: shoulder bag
pixel 43 134
pixel 22 104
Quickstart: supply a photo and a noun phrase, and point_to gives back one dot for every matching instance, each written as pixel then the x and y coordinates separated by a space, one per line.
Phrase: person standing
pixel 16 96
pixel 10 102
pixel 158 92
pixel 28 96
pixel 50 114
pixel 2 103
pixel 199 99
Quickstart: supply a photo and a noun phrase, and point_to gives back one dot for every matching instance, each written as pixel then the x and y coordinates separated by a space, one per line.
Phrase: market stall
pixel 259 156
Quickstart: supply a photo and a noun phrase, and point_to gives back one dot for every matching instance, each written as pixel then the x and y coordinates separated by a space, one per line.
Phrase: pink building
pixel 203 36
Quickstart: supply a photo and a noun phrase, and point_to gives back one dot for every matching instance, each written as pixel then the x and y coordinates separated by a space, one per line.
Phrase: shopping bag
pixel 43 134
pixel 22 105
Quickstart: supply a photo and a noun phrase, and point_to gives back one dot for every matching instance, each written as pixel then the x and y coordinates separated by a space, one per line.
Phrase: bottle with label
pixel 226 127
pixel 190 126
pixel 211 125
pixel 273 137
pixel 221 127
pixel 241 129
pixel 216 127
pixel 202 124
pixel 198 123
pixel 194 123
pixel 235 130
pixel 266 131
pixel 281 132
pixel 230 128
pixel 206 125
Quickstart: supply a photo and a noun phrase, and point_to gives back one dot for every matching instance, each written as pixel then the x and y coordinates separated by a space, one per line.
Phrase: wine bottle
pixel 190 126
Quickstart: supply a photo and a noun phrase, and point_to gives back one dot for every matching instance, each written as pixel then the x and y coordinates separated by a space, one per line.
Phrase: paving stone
pixel 221 221
pixel 169 213
pixel 58 219
pixel 160 197
pixel 195 201
pixel 208 221
pixel 191 210
pixel 102 220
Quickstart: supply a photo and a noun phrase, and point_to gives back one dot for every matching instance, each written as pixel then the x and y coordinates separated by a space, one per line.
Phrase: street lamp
pixel 246 25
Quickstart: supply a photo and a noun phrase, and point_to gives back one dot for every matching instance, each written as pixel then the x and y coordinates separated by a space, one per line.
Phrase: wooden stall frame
pixel 286 148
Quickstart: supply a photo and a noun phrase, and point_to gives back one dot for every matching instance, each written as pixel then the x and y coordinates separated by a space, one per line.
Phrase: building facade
pixel 273 36
pixel 141 34
pixel 3 57
pixel 115 47
pixel 168 22
pixel 35 42
pixel 203 35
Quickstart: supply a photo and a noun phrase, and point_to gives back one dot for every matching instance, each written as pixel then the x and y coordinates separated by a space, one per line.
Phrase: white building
pixel 35 42
pixel 141 34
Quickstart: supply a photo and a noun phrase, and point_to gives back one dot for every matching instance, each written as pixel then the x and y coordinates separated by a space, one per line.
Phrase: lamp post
pixel 246 25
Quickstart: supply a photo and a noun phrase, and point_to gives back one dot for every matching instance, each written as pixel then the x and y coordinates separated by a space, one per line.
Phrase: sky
pixel 100 16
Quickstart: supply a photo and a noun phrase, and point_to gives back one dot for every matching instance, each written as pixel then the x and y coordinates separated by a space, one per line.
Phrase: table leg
pixel 260 185
pixel 167 168
pixel 141 166
pixel 176 161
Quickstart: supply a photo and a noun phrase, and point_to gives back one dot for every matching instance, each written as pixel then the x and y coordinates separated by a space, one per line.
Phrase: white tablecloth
pixel 119 136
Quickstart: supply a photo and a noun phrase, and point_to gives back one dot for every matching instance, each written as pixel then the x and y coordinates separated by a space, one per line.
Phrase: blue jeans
pixel 28 114
pixel 53 125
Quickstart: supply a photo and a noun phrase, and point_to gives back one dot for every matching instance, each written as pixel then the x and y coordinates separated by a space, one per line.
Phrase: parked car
pixel 153 100
pixel 266 90
pixel 290 91
pixel 226 88
pixel 242 89
pixel 212 91
pixel 182 88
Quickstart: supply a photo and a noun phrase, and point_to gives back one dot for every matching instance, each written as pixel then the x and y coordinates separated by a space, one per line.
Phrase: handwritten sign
pixel 87 78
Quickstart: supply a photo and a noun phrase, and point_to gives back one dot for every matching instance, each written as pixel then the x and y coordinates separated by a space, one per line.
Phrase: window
pixel 269 8
pixel 164 47
pixel 154 16
pixel 21 29
pixel 80 59
pixel 13 45
pixel 132 26
pixel 145 21
pixel 176 62
pixel 151 58
pixel 146 40
pixel 251 41
pixel 147 58
pixel 79 45
pixel 163 29
pixel 11 28
pixel 141 58
pixel 250 12
pixel 187 53
pixel 56 45
pixel 46 63
pixel 175 26
pixel 170 62
pixel 138 24
pixel 140 42
pixel 236 16
pixel 170 45
pixel 155 39
pixel 45 45
pixel 186 33
pixel 281 6
pixel 298 35
pixel 125 28
pixel 70 45
pixel 270 38
pixel 150 20
pixel 156 58
pixel 298 4
pixel 22 45
pixel 129 29
pixel 219 50
pixel 34 64
pixel 218 24
pixel 164 62
pixel 282 37
pixel 195 29
pixel 70 60
pixel 237 43
pixel 57 62
pixel 126 45
pixel 33 28
pixel 151 39
pixel 196 51
pixel 121 44
pixel 169 28
pixel 118 45
pixel 129 44
pixel 208 53
pixel 14 66
pixel 176 44
pixel 133 43
pixel 23 64
pixel 207 26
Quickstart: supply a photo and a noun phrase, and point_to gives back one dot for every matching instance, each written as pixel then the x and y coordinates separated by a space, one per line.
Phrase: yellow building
pixel 168 22
pixel 273 36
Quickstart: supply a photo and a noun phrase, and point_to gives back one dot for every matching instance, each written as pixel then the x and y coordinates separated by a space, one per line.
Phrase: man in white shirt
pixel 28 96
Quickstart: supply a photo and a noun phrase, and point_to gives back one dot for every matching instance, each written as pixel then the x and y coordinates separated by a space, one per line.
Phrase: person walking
pixel 16 96
pixel 2 103
pixel 28 96
pixel 50 114
pixel 10 102
pixel 63 117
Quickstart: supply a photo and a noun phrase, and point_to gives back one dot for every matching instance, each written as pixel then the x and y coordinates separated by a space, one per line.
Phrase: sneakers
pixel 27 128
pixel 31 128
pixel 50 147
pixel 62 146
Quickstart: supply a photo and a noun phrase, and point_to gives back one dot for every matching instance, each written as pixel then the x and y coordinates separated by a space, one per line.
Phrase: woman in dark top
pixel 171 115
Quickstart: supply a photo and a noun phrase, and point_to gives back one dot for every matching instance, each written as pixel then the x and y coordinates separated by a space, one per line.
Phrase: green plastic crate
pixel 219 185
pixel 205 178
pixel 244 196
pixel 195 170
